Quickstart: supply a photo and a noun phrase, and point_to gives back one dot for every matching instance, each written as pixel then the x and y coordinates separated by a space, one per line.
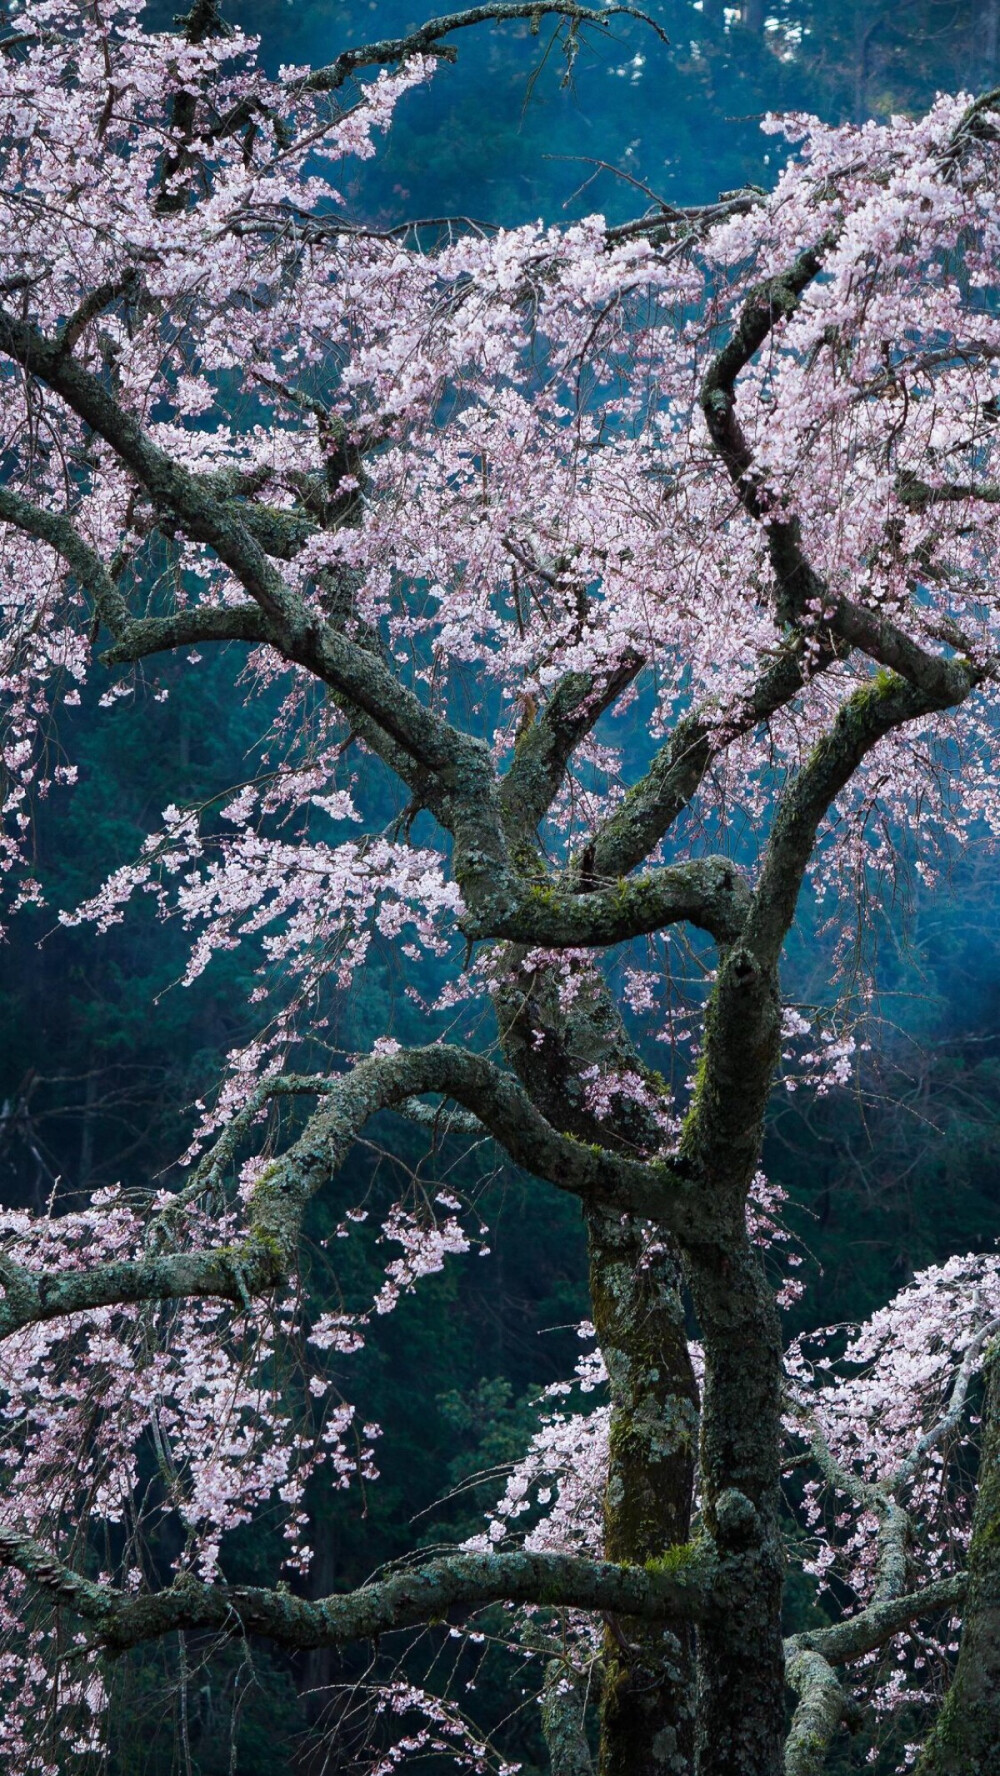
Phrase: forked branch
pixel 810 1659
pixel 265 1257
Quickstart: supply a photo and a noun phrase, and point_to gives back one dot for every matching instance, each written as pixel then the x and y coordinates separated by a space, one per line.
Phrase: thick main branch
pixel 709 893
pixel 460 762
pixel 404 1599
pixel 418 1594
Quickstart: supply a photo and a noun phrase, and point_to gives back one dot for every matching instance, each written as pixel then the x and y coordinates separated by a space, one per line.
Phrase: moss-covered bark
pixel 647 1707
pixel 965 1740
pixel 740 1659
pixel 648 1692
pixel 564 1723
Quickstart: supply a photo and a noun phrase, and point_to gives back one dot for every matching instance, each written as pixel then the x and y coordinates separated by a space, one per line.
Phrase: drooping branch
pixel 966 1734
pixel 500 1103
pixel 770 301
pixel 57 530
pixel 134 637
pixel 266 1255
pixel 882 1497
pixel 93 304
pixel 951 1416
pixel 709 893
pixel 654 803
pixel 810 1658
pixel 416 1595
pixel 61 1583
pixel 802 593
pixel 199 626
pixel 235 1273
pixel 811 1655
pixel 137 638
pixel 461 762
pixel 426 39
pixel 879 1497
pixel 220 525
pixel 208 1179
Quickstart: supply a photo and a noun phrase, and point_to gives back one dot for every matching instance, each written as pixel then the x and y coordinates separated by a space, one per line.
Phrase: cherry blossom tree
pixel 456 500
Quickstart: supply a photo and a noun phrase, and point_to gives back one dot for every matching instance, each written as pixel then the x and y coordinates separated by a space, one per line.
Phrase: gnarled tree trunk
pixel 647 1700
pixel 741 1656
pixel 648 1688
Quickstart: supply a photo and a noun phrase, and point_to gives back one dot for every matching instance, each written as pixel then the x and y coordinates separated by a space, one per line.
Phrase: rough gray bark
pixel 811 1658
pixel 563 1723
pixel 965 1740
pixel 817 1716
pixel 648 1684
pixel 647 1695
pixel 657 1714
pixel 740 1659
pixel 873 1626
pixel 402 1599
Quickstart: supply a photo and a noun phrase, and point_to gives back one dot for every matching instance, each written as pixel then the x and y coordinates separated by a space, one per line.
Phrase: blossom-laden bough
pixel 457 499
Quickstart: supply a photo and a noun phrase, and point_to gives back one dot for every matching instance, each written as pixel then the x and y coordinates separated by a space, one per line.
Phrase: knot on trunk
pixel 737 1524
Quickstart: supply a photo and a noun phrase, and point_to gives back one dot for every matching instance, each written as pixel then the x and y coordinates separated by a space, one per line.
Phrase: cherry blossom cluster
pixel 880 1395
pixel 443 1729
pixel 532 489
pixel 484 458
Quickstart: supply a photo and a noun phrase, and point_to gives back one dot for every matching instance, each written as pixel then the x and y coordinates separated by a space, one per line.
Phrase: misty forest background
pixel 103 1054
